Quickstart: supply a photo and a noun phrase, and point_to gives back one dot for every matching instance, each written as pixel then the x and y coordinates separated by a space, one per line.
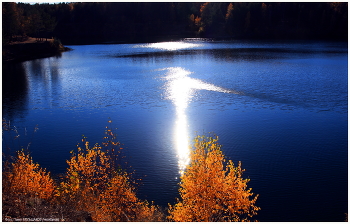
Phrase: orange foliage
pixel 85 177
pixel 203 7
pixel 26 178
pixel 96 184
pixel 212 189
pixel 119 203
pixel 229 11
pixel 197 21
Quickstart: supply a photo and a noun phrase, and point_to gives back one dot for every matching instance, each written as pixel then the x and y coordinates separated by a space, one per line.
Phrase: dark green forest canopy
pixel 97 22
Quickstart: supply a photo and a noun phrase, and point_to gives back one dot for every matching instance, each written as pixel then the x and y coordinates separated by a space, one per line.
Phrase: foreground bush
pixel 211 189
pixel 26 178
pixel 95 182
pixel 27 189
pixel 96 187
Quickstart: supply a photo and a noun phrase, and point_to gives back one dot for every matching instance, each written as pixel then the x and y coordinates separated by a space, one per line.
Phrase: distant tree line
pixel 146 21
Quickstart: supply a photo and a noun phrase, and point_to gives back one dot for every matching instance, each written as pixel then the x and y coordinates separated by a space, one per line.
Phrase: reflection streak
pixel 180 88
pixel 171 46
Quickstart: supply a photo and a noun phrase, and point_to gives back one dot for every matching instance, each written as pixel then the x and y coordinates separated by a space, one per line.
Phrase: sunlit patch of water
pixel 180 89
pixel 170 46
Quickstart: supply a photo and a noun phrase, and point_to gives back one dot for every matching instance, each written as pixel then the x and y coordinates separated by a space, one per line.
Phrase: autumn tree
pixel 24 178
pixel 96 183
pixel 143 21
pixel 213 189
pixel 25 187
pixel 213 18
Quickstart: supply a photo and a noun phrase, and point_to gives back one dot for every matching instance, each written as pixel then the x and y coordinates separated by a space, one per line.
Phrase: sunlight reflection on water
pixel 180 89
pixel 169 45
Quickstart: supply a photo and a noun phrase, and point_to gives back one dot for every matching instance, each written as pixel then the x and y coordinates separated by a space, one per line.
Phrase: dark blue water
pixel 280 108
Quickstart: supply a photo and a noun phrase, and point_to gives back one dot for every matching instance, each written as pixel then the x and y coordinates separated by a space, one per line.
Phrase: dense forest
pixel 90 22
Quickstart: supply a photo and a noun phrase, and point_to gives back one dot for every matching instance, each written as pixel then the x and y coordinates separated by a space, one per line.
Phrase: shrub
pixel 26 178
pixel 96 187
pixel 27 189
pixel 96 183
pixel 212 189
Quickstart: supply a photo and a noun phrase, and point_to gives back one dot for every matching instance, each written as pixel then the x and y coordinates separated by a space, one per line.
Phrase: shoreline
pixel 31 49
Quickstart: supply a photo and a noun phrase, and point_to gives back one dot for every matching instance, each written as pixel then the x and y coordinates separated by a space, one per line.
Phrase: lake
pixel 279 107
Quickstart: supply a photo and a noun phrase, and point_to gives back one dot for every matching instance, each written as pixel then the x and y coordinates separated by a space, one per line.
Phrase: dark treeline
pixel 91 22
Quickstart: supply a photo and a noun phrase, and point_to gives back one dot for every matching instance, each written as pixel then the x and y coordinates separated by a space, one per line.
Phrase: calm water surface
pixel 280 108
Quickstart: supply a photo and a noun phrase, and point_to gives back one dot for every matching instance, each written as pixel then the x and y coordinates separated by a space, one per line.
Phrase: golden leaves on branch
pixel 212 189
pixel 26 178
pixel 95 183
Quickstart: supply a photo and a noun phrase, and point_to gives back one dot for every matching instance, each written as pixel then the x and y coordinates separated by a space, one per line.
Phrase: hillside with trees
pixel 98 22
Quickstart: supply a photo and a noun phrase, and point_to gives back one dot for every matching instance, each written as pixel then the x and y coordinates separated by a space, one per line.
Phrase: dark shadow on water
pixel 232 54
pixel 14 90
